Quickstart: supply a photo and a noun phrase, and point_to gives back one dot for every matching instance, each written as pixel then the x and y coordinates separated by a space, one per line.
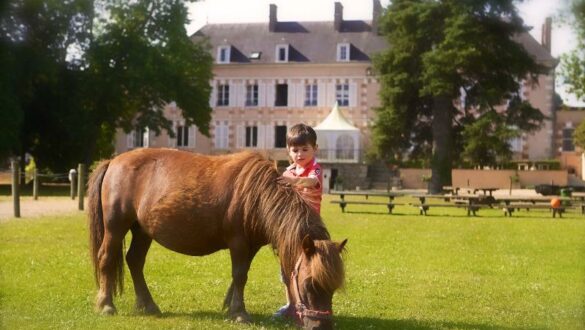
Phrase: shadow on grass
pixel 351 322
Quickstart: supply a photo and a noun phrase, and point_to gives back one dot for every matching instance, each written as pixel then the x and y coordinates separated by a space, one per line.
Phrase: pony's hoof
pixel 108 310
pixel 149 310
pixel 241 318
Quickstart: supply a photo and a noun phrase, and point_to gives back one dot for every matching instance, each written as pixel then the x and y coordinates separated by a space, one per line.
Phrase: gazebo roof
pixel 335 121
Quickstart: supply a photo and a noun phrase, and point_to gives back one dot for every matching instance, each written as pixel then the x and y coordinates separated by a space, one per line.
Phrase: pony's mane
pixel 277 211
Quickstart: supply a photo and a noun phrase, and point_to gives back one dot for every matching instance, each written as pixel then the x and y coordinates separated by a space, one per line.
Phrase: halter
pixel 301 307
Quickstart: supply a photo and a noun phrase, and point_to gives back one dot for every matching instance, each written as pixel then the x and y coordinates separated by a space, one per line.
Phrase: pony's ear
pixel 308 246
pixel 341 246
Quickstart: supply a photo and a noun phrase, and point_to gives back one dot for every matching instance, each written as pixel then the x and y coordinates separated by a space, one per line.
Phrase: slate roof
pixel 315 42
pixel 310 42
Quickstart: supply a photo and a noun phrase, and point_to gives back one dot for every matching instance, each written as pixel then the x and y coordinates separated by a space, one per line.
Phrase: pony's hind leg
pixel 110 268
pixel 135 257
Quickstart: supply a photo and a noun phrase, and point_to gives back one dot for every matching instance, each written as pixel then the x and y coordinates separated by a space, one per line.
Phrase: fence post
pixel 36 184
pixel 16 187
pixel 80 184
pixel 73 181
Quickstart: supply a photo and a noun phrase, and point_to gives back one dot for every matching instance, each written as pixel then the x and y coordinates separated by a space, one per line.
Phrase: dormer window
pixel 255 55
pixel 281 53
pixel 343 52
pixel 223 54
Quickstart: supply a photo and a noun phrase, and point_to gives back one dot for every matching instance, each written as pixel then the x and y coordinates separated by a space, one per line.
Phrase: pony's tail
pixel 96 222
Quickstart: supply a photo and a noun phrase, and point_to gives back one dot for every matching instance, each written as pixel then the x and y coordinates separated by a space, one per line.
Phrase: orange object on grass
pixel 555 203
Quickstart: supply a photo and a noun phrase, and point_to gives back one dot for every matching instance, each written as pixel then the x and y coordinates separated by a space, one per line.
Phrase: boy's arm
pixel 308 182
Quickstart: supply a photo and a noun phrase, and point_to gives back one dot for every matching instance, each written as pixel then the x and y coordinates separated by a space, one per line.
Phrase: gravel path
pixel 30 208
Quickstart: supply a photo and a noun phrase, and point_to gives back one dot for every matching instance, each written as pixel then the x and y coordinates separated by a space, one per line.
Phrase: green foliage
pixel 579 135
pixel 404 271
pixel 573 63
pixel 464 51
pixel 74 71
pixel 487 140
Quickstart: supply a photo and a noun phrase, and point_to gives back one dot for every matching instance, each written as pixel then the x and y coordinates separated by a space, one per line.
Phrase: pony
pixel 196 205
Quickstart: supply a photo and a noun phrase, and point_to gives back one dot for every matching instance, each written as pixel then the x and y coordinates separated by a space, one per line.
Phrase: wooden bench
pixel 471 208
pixel 344 203
pixel 509 209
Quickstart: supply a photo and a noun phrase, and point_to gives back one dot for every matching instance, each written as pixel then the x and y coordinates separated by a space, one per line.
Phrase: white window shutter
pixel 300 94
pixel 331 95
pixel 225 135
pixel 291 94
pixel 146 137
pixel 262 94
pixel 270 88
pixel 240 136
pixel 261 137
pixel 130 140
pixel 352 94
pixel 321 101
pixel 269 133
pixel 213 96
pixel 217 136
pixel 192 131
pixel 233 90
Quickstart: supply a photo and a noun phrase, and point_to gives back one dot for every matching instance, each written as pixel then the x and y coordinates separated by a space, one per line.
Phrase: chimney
pixel 545 37
pixel 376 12
pixel 338 18
pixel 272 20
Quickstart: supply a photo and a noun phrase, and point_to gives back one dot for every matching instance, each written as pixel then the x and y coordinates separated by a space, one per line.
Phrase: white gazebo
pixel 338 139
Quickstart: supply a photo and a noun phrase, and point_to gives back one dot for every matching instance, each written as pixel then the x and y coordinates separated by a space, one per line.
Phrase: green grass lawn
pixel 404 271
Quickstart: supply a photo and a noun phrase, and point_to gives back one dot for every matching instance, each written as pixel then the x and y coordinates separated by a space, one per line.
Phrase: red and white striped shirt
pixel 311 195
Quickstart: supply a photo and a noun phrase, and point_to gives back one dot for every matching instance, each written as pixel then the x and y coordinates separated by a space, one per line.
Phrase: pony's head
pixel 318 272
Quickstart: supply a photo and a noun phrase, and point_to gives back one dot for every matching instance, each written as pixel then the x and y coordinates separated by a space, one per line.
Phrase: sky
pixel 533 12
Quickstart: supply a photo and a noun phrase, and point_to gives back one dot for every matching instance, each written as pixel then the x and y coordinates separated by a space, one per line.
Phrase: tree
pixel 76 70
pixel 448 73
pixel 573 67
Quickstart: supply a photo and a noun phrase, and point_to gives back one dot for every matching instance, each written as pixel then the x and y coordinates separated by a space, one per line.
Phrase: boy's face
pixel 302 155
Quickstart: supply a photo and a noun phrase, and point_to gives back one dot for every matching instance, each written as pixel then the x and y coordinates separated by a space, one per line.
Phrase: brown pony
pixel 196 205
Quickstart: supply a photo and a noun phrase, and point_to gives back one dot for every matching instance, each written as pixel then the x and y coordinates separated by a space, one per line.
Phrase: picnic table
pixel 514 202
pixel 365 193
pixel 486 191
pixel 469 202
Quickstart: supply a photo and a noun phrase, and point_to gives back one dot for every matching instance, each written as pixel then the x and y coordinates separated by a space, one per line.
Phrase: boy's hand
pixel 286 180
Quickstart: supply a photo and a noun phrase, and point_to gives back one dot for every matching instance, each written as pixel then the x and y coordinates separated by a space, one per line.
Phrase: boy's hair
pixel 300 135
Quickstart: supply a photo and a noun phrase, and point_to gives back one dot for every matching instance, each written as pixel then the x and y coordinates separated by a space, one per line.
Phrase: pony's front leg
pixel 241 255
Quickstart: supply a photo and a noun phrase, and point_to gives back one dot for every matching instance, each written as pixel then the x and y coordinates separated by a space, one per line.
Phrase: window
pixel 311 95
pixel 281 53
pixel 138 138
pixel 255 55
pixel 221 135
pixel 223 54
pixel 343 52
pixel 182 136
pixel 281 99
pixel 342 94
pixel 251 136
pixel 251 95
pixel 223 95
pixel 568 139
pixel 280 137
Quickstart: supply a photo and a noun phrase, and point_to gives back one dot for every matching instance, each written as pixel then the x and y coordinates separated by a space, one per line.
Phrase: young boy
pixel 304 174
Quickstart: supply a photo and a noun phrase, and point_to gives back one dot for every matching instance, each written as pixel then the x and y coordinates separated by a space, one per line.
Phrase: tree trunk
pixel 442 128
